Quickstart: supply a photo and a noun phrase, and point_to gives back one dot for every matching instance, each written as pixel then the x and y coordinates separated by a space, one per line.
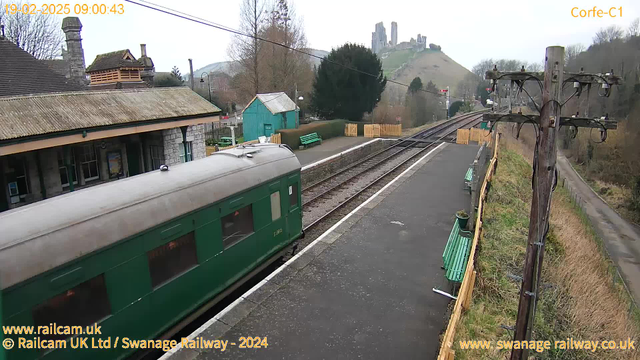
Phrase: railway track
pixel 327 196
pixel 348 189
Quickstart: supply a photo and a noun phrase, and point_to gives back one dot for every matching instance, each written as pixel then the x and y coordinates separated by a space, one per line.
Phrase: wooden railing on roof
pixel 275 139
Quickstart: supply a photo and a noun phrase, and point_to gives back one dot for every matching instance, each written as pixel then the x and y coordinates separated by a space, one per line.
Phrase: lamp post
pixel 297 110
pixel 208 82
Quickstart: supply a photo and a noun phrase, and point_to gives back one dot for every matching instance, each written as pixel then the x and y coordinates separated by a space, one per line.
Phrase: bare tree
pixel 534 67
pixel 571 52
pixel 481 68
pixel 634 28
pixel 245 50
pixel 466 88
pixel 608 34
pixel 285 66
pixel 39 35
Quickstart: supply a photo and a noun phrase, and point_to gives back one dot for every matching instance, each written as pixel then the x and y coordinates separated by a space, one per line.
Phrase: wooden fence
pixel 478 135
pixel 462 136
pixel 275 139
pixel 372 130
pixel 390 130
pixel 350 129
pixel 464 294
pixel 378 130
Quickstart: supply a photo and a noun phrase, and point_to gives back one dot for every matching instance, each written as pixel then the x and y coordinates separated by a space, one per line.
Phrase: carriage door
pixel 294 213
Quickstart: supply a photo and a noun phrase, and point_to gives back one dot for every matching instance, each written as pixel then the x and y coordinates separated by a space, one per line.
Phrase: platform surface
pixel 328 147
pixel 364 288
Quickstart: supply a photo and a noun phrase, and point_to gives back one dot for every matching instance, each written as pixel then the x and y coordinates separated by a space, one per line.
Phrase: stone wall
pixel 173 143
pixel 330 167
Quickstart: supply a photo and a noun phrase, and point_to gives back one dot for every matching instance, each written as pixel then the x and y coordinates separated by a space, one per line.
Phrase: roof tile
pixel 24 116
pixel 22 74
pixel 113 60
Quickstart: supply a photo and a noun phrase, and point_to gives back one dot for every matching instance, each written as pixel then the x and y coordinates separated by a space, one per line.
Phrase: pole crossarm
pixel 564 120
pixel 585 78
pixel 581 77
pixel 514 75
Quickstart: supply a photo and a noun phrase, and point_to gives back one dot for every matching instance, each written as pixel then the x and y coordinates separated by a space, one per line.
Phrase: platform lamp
pixel 208 82
pixel 297 97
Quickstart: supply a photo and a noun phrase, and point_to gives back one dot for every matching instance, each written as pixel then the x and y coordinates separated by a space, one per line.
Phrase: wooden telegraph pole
pixel 544 165
pixel 543 183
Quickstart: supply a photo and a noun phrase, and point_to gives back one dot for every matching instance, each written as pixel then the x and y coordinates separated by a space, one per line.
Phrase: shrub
pixel 326 130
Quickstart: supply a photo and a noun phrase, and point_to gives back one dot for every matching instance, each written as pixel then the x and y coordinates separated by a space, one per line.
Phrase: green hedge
pixel 326 130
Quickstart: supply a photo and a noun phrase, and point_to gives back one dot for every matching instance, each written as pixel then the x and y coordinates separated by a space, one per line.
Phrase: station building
pixel 59 133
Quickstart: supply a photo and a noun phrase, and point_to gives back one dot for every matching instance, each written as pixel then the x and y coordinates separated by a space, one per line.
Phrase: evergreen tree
pixel 175 72
pixel 339 92
pixel 416 85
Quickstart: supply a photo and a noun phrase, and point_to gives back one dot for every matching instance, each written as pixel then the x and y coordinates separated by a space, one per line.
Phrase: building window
pixel 236 226
pixel 172 259
pixel 64 174
pixel 293 195
pixel 82 305
pixel 89 162
pixel 17 179
pixel 275 206
pixel 157 156
pixel 181 145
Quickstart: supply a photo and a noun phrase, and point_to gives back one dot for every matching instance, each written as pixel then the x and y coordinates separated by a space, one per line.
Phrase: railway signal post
pixel 544 179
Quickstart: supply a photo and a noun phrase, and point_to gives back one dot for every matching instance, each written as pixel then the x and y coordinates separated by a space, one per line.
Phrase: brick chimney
pixel 74 56
pixel 149 70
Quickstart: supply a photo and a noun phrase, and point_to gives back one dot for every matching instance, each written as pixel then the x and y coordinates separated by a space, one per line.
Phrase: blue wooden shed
pixel 267 113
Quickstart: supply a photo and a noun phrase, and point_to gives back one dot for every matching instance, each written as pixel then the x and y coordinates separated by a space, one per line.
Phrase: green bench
pixel 225 141
pixel 468 179
pixel 310 139
pixel 456 253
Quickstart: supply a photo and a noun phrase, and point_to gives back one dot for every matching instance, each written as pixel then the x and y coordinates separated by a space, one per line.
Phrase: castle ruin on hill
pixel 379 40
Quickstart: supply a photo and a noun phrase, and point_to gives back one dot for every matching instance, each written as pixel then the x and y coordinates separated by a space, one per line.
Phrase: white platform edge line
pixel 204 326
pixel 309 166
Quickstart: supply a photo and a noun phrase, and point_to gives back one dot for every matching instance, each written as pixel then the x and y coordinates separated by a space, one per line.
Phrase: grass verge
pixel 584 299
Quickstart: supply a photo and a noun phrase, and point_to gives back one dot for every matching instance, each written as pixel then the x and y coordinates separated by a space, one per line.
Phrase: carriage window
pixel 82 305
pixel 275 206
pixel 236 226
pixel 293 195
pixel 172 259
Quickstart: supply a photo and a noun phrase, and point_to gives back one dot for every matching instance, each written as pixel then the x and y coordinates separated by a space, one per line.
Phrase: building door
pixel 133 159
pixel 4 204
pixel 268 130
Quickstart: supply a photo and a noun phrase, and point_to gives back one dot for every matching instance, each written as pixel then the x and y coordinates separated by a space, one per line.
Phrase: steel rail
pixel 374 182
pixel 409 139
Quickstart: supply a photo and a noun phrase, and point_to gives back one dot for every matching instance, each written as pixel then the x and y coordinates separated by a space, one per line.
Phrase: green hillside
pixel 434 65
pixel 393 60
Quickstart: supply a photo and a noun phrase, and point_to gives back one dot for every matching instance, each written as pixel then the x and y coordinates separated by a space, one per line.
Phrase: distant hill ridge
pixel 227 68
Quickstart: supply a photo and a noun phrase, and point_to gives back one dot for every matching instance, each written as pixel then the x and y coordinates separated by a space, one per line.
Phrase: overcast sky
pixel 468 31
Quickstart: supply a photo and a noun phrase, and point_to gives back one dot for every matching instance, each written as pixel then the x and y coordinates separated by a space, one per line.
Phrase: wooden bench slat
pixel 456 253
pixel 310 139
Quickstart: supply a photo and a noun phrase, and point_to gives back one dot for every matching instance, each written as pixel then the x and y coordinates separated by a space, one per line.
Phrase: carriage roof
pixel 39 237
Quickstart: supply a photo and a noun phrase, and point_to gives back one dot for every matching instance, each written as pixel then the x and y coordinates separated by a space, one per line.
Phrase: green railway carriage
pixel 138 255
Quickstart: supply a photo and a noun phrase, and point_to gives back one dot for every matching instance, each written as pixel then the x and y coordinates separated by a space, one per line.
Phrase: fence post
pixel 467 297
pixel 474 194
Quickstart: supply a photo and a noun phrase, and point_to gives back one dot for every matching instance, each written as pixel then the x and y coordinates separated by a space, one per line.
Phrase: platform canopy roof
pixel 59 113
